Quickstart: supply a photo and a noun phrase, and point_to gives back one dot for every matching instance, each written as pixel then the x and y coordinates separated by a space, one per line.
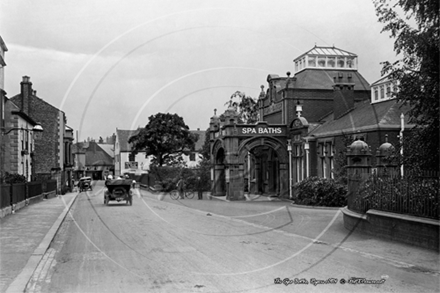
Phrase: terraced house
pixel 52 154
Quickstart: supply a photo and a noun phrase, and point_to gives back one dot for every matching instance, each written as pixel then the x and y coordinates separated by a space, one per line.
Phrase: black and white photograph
pixel 232 146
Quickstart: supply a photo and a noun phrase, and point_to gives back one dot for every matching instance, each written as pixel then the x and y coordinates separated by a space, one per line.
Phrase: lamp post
pixel 289 149
pixel 307 148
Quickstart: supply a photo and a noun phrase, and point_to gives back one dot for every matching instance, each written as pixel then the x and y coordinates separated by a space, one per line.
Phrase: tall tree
pixel 246 106
pixel 166 137
pixel 415 26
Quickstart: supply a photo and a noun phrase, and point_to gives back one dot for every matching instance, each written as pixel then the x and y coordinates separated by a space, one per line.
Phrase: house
pixel 52 156
pixel 3 50
pixel 18 143
pixel 123 160
pixel 125 163
pixel 93 159
pixel 194 157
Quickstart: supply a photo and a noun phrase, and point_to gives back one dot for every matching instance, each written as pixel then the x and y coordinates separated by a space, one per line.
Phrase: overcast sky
pixel 111 64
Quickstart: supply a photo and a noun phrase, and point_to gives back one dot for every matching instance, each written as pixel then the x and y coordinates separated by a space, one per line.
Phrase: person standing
pixel 199 188
pixel 180 187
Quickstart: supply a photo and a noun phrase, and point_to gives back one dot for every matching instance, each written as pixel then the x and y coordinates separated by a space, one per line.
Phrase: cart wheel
pixel 174 194
pixel 189 194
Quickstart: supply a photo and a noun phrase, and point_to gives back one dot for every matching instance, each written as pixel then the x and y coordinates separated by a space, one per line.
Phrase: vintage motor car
pixel 84 184
pixel 118 190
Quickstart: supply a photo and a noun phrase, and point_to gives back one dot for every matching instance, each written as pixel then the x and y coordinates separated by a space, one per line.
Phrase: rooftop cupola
pixel 326 58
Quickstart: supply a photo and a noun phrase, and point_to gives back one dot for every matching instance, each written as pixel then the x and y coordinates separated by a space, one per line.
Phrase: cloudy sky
pixel 111 64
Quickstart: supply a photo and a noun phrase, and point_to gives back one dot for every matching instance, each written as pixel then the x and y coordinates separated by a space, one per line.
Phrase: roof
pixel 3 45
pixel 322 78
pixel 365 116
pixel 326 51
pixel 383 79
pixel 96 156
pixel 122 136
pixel 108 148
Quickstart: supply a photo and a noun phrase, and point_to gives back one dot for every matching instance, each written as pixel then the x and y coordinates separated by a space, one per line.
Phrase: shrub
pixel 13 178
pixel 320 192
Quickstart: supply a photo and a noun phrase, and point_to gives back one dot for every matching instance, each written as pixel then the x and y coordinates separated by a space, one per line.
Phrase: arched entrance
pixel 219 173
pixel 265 165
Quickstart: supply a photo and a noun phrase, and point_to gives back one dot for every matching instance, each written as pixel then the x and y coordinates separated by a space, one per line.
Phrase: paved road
pixel 161 245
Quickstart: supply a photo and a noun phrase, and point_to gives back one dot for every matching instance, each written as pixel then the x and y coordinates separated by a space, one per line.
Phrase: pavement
pixel 25 237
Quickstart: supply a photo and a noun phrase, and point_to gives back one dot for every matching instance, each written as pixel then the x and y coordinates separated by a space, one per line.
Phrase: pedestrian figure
pixel 199 187
pixel 180 186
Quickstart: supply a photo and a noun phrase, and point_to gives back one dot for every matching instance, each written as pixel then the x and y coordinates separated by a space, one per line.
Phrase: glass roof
pixel 327 51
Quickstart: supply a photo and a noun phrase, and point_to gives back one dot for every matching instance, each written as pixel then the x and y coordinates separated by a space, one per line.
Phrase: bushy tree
pixel 166 137
pixel 415 26
pixel 246 106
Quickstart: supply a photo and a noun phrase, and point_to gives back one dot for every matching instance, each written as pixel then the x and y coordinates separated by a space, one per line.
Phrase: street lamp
pixel 37 129
pixel 289 149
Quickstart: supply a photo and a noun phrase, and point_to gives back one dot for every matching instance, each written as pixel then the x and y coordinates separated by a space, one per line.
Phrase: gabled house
pixel 123 160
pixel 93 160
pixel 52 155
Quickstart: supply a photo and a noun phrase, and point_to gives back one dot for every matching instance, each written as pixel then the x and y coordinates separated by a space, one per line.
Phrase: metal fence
pixel 414 194
pixel 17 192
pixel 5 195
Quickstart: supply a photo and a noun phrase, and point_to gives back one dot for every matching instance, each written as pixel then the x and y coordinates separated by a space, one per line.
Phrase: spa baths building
pixel 306 121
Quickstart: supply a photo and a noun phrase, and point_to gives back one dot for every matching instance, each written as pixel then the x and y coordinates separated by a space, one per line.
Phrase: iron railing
pixel 413 194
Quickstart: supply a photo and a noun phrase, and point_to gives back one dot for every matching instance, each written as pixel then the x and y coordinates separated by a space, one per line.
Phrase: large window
pixel 350 62
pixel 321 61
pixel 331 62
pixel 312 61
pixel 341 62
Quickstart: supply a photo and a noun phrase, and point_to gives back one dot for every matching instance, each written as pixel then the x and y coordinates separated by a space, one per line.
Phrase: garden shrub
pixel 320 192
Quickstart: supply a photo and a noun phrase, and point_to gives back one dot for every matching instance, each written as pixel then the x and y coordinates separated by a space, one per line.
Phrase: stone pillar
pixel 358 170
pixel 385 163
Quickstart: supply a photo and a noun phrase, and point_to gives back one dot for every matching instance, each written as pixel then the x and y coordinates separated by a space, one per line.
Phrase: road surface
pixel 164 245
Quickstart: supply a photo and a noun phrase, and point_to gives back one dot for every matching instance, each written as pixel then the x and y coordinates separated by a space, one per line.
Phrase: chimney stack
pixel 343 95
pixel 26 92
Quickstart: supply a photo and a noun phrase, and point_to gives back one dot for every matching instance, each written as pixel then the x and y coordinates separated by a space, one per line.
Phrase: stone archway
pixel 269 171
pixel 219 176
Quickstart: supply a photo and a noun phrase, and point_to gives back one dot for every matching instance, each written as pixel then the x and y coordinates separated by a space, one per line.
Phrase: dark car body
pixel 118 190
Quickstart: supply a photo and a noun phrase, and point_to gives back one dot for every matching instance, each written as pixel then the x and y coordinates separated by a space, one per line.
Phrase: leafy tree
pixel 246 106
pixel 166 137
pixel 206 148
pixel 415 26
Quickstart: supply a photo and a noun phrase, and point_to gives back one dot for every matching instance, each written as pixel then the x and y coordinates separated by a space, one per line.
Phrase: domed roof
pixel 386 146
pixel 359 147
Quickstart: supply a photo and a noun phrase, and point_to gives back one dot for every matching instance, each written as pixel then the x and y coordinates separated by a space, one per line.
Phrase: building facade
pixel 3 50
pixel 306 123
pixel 52 155
pixel 18 142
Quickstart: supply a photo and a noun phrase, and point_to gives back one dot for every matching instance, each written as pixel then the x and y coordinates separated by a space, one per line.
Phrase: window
pixel 341 62
pixel 376 94
pixel 321 61
pixel 389 90
pixel 331 62
pixel 350 62
pixel 312 61
pixel 382 95
pixel 192 157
